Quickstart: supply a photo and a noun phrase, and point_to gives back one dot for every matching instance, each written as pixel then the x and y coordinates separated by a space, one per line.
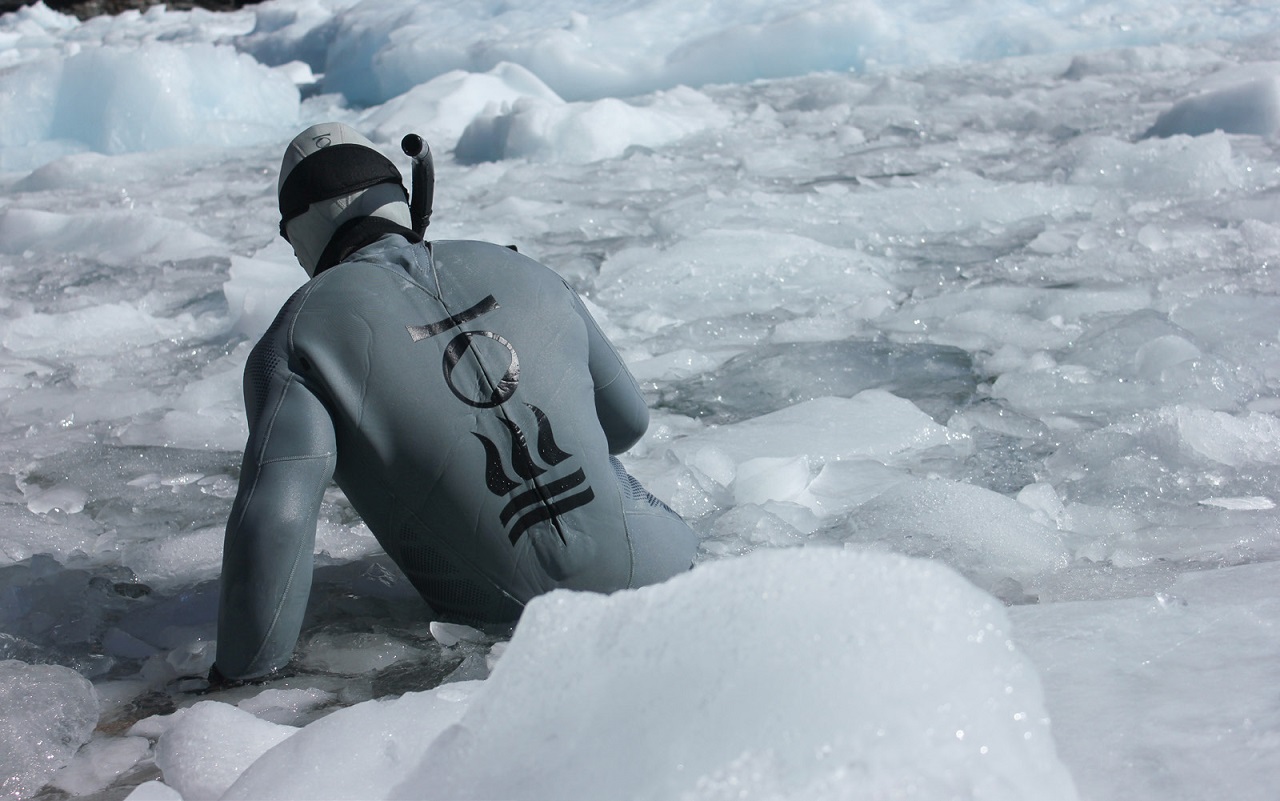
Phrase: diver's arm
pixel 267 554
pixel 620 406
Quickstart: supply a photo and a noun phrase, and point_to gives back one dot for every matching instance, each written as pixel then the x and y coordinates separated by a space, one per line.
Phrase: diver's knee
pixel 661 551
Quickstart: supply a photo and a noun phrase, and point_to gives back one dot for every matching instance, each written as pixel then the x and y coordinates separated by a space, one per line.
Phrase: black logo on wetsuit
pixel 544 501
pixel 460 344
pixel 548 500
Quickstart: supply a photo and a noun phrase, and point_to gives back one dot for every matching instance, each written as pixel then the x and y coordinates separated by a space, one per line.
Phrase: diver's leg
pixel 662 544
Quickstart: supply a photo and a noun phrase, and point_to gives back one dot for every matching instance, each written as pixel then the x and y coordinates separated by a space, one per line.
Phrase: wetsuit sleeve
pixel 620 406
pixel 267 555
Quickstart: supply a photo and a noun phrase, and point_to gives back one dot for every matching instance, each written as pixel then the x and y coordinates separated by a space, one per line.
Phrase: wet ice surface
pixel 977 313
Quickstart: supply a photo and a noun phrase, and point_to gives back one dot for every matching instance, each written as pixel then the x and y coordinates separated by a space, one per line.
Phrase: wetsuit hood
pixel 330 178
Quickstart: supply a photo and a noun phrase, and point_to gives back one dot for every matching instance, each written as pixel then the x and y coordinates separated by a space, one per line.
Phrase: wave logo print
pixel 541 502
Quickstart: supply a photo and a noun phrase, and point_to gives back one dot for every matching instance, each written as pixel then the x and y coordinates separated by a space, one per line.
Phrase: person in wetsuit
pixel 461 396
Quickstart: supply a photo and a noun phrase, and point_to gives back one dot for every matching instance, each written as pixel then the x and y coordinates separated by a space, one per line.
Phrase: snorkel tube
pixel 424 181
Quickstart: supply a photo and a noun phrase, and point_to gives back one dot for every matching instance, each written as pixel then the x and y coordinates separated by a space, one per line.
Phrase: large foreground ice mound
pixel 816 673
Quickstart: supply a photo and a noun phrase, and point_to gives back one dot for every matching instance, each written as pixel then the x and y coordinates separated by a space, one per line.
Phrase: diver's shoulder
pixel 480 253
pixel 476 246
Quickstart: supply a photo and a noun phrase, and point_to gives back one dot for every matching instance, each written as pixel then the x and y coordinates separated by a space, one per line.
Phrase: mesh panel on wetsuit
pixel 263 363
pixel 447 586
pixel 634 489
pixel 265 359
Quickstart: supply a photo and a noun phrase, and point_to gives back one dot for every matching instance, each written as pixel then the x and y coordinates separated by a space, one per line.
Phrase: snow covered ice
pixel 958 322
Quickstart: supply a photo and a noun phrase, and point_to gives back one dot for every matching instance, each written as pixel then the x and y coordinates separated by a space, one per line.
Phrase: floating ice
pixel 1142 653
pixel 255 291
pixel 203 750
pixel 845 484
pixel 873 424
pixel 1139 359
pixel 299 72
pixel 1167 167
pixel 371 52
pixel 450 634
pixel 286 707
pixel 1155 357
pixel 361 752
pixel 352 653
pixel 938 379
pixel 744 271
pixel 1255 502
pixel 1244 326
pixel 770 478
pixel 117 238
pixel 837 38
pixel 154 791
pixel 99 763
pixel 116 100
pixel 1228 439
pixel 1250 108
pixel 34 25
pixel 296 31
pixel 584 132
pixel 984 535
pixel 46 713
pixel 1028 318
pixel 208 414
pixel 64 498
pixel 175 558
pixel 442 108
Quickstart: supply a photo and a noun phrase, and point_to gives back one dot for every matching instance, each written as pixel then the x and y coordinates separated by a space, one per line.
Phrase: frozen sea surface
pixel 959 326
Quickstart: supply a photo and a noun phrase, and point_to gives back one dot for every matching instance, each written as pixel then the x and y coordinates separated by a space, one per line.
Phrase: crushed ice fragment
pixel 450 634
pixel 63 498
pixel 495 654
pixel 1257 503
pixel 193 658
pixel 206 749
pixel 286 707
pixel 99 763
pixel 46 713
pixel 153 791
pixel 1169 602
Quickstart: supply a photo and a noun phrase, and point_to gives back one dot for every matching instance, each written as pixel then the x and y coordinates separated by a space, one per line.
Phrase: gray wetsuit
pixel 464 400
